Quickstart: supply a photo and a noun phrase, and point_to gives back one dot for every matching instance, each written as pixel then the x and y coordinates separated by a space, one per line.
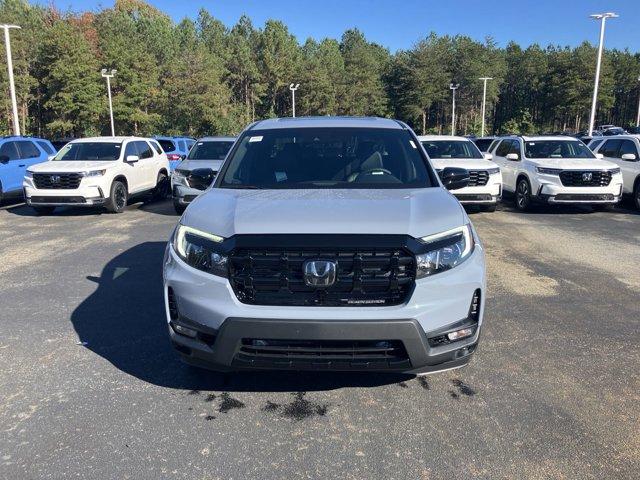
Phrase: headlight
pixel 446 250
pixel 613 171
pixel 200 250
pixel 94 173
pixel 28 174
pixel 179 177
pixel 548 171
pixel 493 171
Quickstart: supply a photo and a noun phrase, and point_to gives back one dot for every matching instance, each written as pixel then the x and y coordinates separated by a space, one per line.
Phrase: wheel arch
pixel 121 178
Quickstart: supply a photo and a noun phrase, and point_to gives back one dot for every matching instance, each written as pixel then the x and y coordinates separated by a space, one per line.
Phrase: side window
pixel 515 148
pixel 493 144
pixel 28 149
pixel 182 146
pixel 610 148
pixel 503 148
pixel 593 144
pixel 9 150
pixel 45 146
pixel 156 147
pixel 130 149
pixel 627 146
pixel 144 150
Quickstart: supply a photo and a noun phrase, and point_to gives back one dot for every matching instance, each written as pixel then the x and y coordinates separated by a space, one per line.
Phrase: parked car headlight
pixel 613 171
pixel 548 171
pixel 445 251
pixel 28 174
pixel 180 177
pixel 94 173
pixel 493 171
pixel 200 250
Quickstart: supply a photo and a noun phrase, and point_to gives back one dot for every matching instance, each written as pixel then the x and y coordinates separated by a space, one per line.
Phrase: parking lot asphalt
pixel 90 387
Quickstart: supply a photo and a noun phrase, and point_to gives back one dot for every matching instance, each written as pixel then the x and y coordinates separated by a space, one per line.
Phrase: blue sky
pixel 399 24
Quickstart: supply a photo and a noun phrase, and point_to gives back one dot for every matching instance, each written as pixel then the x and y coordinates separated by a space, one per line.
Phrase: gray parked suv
pixel 327 244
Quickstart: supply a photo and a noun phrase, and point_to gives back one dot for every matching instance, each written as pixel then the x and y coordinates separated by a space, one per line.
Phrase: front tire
pixel 117 197
pixel 43 210
pixel 523 195
pixel 162 188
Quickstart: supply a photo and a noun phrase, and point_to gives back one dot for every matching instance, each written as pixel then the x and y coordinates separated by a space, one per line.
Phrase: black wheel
pixel 523 195
pixel 179 208
pixel 117 198
pixel 489 208
pixel 636 195
pixel 163 187
pixel 43 210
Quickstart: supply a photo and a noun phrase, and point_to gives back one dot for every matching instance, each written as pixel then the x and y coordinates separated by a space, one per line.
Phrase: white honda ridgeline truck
pixel 327 244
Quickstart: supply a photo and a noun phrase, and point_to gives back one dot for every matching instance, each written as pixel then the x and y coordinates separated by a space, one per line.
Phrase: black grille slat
pixel 478 178
pixel 365 277
pixel 576 178
pixel 57 181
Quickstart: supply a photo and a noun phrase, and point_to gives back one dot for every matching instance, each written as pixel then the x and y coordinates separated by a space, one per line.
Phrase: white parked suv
pixel 485 180
pixel 624 150
pixel 555 170
pixel 326 244
pixel 102 171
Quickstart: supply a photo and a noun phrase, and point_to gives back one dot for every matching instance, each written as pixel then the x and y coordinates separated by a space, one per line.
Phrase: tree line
pixel 200 77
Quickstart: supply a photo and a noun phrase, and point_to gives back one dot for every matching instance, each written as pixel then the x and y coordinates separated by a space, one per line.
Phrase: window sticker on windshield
pixel 200 143
pixel 255 139
pixel 412 144
pixel 280 176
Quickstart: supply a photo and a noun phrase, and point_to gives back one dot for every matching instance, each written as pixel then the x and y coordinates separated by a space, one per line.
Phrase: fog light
pixel 460 334
pixel 187 332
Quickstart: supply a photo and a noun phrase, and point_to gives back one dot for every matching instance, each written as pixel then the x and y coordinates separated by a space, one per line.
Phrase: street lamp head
pixel 294 86
pixel 600 16
pixel 7 26
pixel 453 86
pixel 113 72
pixel 103 71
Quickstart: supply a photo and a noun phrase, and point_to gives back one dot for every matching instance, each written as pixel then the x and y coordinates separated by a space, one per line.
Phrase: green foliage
pixel 199 77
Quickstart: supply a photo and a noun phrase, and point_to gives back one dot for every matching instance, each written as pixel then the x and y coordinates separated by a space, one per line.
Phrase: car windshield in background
pixel 90 151
pixel 326 158
pixel 209 150
pixel 167 145
pixel 483 143
pixel 451 149
pixel 557 149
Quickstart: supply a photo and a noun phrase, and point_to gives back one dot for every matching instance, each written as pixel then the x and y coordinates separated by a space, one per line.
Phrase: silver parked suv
pixel 329 244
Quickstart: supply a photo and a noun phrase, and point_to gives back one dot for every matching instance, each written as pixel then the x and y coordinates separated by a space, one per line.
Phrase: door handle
pixel 22 165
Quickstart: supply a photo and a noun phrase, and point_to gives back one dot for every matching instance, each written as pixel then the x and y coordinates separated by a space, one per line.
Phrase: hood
pixel 417 212
pixel 468 163
pixel 573 163
pixel 214 165
pixel 69 166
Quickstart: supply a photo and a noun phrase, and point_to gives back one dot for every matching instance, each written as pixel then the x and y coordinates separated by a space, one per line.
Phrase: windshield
pixel 556 149
pixel 103 151
pixel 213 150
pixel 326 158
pixel 451 149
pixel 483 143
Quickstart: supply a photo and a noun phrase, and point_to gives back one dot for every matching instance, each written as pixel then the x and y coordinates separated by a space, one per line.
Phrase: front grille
pixel 584 197
pixel 334 354
pixel 48 199
pixel 478 178
pixel 376 273
pixel 193 183
pixel 57 181
pixel 469 197
pixel 585 178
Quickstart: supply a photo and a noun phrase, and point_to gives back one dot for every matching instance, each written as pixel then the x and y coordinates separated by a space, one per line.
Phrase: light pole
pixel 603 18
pixel 12 87
pixel 638 116
pixel 484 101
pixel 109 75
pixel 453 87
pixel 293 89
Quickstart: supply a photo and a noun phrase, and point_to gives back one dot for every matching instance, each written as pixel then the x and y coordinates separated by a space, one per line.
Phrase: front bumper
pixel 184 195
pixel 482 195
pixel 207 305
pixel 551 190
pixel 85 195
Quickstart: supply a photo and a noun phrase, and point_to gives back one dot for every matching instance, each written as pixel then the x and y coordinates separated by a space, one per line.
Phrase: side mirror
pixel 4 158
pixel 201 178
pixel 488 156
pixel 132 158
pixel 629 157
pixel 599 156
pixel 514 157
pixel 50 157
pixel 182 157
pixel 454 178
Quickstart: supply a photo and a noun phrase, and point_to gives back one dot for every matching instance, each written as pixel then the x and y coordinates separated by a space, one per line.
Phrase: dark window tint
pixel 627 146
pixel 28 150
pixel 131 149
pixel 503 148
pixel 45 146
pixel 9 150
pixel 156 147
pixel 90 151
pixel 209 150
pixel 144 150
pixel 167 145
pixel 610 148
pixel 593 144
pixel 451 149
pixel 483 143
pixel 556 149
pixel 515 147
pixel 182 145
pixel 327 158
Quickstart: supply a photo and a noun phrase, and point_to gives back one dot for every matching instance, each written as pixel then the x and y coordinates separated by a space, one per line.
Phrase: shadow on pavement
pixel 123 321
